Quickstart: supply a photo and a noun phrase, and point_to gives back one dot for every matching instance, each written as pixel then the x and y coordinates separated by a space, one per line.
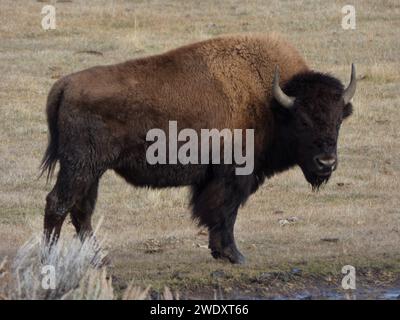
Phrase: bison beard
pixel 98 120
pixel 316 181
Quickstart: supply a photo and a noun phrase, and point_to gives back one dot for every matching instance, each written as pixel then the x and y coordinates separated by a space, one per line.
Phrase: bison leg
pixel 81 212
pixel 81 218
pixel 72 183
pixel 215 205
pixel 54 217
pixel 222 241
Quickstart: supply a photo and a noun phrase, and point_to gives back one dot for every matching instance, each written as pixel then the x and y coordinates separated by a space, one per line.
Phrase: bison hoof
pixel 231 254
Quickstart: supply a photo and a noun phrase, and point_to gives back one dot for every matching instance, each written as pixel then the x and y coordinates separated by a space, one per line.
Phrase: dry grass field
pixel 149 233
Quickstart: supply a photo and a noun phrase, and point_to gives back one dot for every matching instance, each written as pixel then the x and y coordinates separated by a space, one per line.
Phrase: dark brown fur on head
pixel 312 125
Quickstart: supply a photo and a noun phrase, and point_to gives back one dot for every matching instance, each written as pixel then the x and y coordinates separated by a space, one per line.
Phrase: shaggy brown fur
pixel 98 120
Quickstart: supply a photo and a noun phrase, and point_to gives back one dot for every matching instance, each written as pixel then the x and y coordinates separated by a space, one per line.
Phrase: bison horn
pixel 285 100
pixel 351 89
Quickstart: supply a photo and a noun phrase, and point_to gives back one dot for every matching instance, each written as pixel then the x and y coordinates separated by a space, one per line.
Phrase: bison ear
pixel 347 110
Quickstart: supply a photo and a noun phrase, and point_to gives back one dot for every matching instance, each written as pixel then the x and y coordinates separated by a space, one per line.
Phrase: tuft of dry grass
pixel 71 261
pixel 77 269
pixel 359 206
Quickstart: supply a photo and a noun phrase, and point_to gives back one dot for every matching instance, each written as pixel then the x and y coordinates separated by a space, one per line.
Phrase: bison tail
pixel 50 157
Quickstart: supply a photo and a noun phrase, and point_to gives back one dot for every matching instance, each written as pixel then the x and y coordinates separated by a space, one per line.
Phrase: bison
pixel 98 119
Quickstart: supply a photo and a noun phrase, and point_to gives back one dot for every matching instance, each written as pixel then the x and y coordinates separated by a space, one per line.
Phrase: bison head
pixel 311 109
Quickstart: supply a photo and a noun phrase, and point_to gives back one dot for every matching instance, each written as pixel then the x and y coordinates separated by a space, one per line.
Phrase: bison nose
pixel 326 161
